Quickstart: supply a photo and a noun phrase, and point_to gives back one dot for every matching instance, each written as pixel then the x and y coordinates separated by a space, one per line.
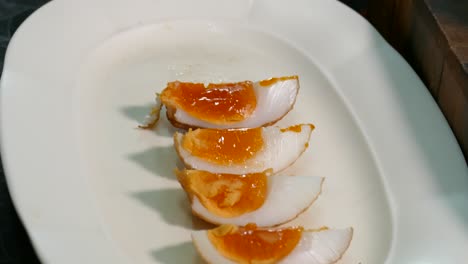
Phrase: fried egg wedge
pixel 241 151
pixel 244 104
pixel 229 244
pixel 262 198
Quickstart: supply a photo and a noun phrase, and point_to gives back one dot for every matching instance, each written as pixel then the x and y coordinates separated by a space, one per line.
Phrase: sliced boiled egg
pixel 230 244
pixel 227 105
pixel 241 151
pixel 242 199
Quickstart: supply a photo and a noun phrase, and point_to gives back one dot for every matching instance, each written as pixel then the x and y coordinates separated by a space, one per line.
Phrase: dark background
pixel 15 247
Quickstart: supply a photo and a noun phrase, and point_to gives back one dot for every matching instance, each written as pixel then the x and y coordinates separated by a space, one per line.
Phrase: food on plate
pixel 226 105
pixel 261 198
pixel 241 151
pixel 232 156
pixel 228 244
pixel 153 117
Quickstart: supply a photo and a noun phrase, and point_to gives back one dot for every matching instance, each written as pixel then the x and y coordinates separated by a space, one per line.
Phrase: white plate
pixel 90 188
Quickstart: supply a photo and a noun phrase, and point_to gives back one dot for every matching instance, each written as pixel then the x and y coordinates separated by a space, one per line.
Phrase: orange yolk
pixel 218 103
pixel 252 245
pixel 295 128
pixel 224 146
pixel 274 80
pixel 226 195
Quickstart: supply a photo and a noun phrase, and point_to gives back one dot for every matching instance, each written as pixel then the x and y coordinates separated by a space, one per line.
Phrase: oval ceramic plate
pixel 91 188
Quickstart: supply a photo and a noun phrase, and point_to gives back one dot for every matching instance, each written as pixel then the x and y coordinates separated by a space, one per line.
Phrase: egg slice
pixel 229 244
pixel 241 151
pixel 242 199
pixel 153 117
pixel 227 105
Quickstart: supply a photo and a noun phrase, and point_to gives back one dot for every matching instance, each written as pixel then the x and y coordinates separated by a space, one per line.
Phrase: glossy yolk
pixel 252 245
pixel 217 103
pixel 226 195
pixel 224 146
pixel 274 80
pixel 296 128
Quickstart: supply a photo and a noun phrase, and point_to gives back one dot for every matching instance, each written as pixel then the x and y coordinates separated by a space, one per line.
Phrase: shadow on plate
pixel 138 113
pixel 160 161
pixel 177 254
pixel 173 207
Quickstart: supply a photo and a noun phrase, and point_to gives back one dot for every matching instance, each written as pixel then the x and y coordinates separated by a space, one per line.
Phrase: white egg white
pixel 322 247
pixel 273 102
pixel 153 117
pixel 314 247
pixel 280 150
pixel 287 197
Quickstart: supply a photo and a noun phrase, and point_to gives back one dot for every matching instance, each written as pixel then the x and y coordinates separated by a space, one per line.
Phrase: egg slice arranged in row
pixel 232 155
pixel 241 151
pixel 230 244
pixel 226 105
pixel 258 198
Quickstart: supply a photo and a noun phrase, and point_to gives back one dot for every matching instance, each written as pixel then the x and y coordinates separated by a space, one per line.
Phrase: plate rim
pixel 328 67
